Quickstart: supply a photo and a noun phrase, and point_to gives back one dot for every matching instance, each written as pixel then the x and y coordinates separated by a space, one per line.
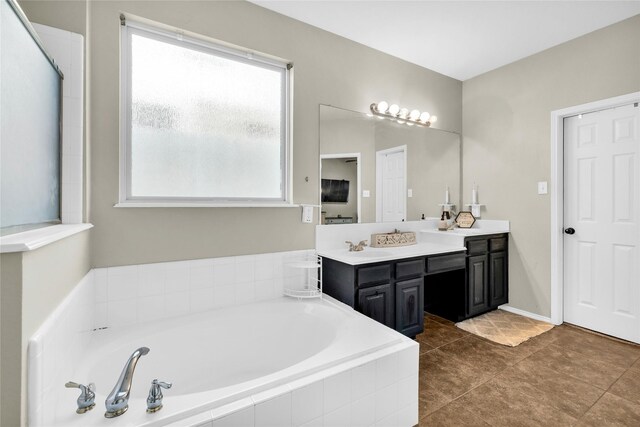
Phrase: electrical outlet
pixel 307 214
pixel 366 193
pixel 542 187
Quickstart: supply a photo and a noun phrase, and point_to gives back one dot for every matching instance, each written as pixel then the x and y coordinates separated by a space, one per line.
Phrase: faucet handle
pixel 363 243
pixel 162 383
pixel 351 245
pixel 86 400
pixel 154 401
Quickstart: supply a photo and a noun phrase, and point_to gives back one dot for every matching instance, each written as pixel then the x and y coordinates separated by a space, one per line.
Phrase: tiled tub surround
pixel 150 292
pixel 341 368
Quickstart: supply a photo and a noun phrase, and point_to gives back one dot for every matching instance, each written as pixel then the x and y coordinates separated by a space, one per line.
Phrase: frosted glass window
pixel 203 123
pixel 30 102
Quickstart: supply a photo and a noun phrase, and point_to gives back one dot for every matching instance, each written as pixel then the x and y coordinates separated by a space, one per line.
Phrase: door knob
pixel 569 230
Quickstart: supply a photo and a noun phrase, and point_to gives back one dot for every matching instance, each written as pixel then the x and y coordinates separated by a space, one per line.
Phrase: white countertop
pixel 371 255
pixel 466 232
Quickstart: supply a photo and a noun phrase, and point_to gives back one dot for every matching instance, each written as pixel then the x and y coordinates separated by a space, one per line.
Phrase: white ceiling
pixel 460 39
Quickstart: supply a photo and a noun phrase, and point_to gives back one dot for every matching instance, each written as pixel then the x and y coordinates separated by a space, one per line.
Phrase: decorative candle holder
pixel 475 208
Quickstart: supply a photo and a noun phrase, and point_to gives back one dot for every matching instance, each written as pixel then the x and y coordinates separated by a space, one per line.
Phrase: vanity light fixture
pixel 402 115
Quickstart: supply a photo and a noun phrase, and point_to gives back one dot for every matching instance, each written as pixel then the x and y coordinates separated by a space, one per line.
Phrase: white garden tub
pixel 237 354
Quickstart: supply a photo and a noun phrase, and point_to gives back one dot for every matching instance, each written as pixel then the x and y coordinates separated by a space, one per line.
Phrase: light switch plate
pixel 542 187
pixel 410 193
pixel 366 193
pixel 307 214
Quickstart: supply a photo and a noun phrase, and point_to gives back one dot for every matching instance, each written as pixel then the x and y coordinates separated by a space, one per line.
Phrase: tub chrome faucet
pixel 117 402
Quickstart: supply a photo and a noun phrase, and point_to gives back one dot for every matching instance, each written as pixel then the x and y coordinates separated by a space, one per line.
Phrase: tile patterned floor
pixel 564 377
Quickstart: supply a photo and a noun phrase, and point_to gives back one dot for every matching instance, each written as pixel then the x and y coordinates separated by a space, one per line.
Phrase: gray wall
pixel 10 338
pixel 507 139
pixel 328 70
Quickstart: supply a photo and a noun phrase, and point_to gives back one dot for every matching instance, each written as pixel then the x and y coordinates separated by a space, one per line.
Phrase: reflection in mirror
pixel 375 170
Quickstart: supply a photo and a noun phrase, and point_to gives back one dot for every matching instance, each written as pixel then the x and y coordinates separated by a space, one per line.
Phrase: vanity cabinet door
pixel 477 284
pixel 410 306
pixel 375 302
pixel 498 278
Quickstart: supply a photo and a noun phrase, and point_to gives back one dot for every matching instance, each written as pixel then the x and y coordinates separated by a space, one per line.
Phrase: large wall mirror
pixel 378 170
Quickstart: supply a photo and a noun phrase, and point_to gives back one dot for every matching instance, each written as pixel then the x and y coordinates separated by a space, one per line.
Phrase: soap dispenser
pixel 442 224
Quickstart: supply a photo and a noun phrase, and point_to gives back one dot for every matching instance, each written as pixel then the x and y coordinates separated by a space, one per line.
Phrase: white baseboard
pixel 525 313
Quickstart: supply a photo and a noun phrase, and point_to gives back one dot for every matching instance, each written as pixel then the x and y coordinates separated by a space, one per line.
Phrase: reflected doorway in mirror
pixel 343 170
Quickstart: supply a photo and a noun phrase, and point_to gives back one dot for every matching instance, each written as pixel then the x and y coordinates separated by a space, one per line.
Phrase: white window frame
pixel 178 38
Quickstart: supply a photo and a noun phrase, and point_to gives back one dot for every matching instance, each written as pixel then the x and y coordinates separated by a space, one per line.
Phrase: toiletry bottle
pixel 442 224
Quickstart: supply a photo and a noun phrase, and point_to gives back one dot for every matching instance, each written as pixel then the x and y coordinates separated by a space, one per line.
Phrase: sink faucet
pixel 356 248
pixel 117 402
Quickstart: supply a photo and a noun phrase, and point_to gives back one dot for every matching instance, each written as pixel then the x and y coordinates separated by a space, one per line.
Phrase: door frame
pixel 556 190
pixel 379 154
pixel 358 184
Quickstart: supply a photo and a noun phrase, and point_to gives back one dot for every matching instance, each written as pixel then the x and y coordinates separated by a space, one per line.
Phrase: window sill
pixel 34 239
pixel 203 205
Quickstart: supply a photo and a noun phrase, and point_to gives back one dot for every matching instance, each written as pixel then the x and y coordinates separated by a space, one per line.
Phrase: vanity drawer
pixel 445 263
pixel 374 274
pixel 475 247
pixel 409 268
pixel 498 244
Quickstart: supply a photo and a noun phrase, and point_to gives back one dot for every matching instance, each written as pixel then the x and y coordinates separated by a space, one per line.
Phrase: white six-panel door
pixel 601 206
pixel 390 165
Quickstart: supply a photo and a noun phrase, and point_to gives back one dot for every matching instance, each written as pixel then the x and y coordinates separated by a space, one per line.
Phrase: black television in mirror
pixel 335 191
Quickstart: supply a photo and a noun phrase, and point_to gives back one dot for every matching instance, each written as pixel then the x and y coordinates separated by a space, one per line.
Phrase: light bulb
pixel 424 117
pixel 382 107
pixel 393 110
pixel 403 113
pixel 414 114
pixel 433 119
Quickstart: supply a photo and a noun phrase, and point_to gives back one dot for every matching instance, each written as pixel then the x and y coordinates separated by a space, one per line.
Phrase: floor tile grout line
pixel 591 407
pixel 616 381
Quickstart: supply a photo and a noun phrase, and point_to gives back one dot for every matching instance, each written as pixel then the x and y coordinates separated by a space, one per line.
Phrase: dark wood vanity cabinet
pixel 487 273
pixel 376 302
pixel 498 278
pixel 410 306
pixel 390 292
pixel 478 284
pixel 455 286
